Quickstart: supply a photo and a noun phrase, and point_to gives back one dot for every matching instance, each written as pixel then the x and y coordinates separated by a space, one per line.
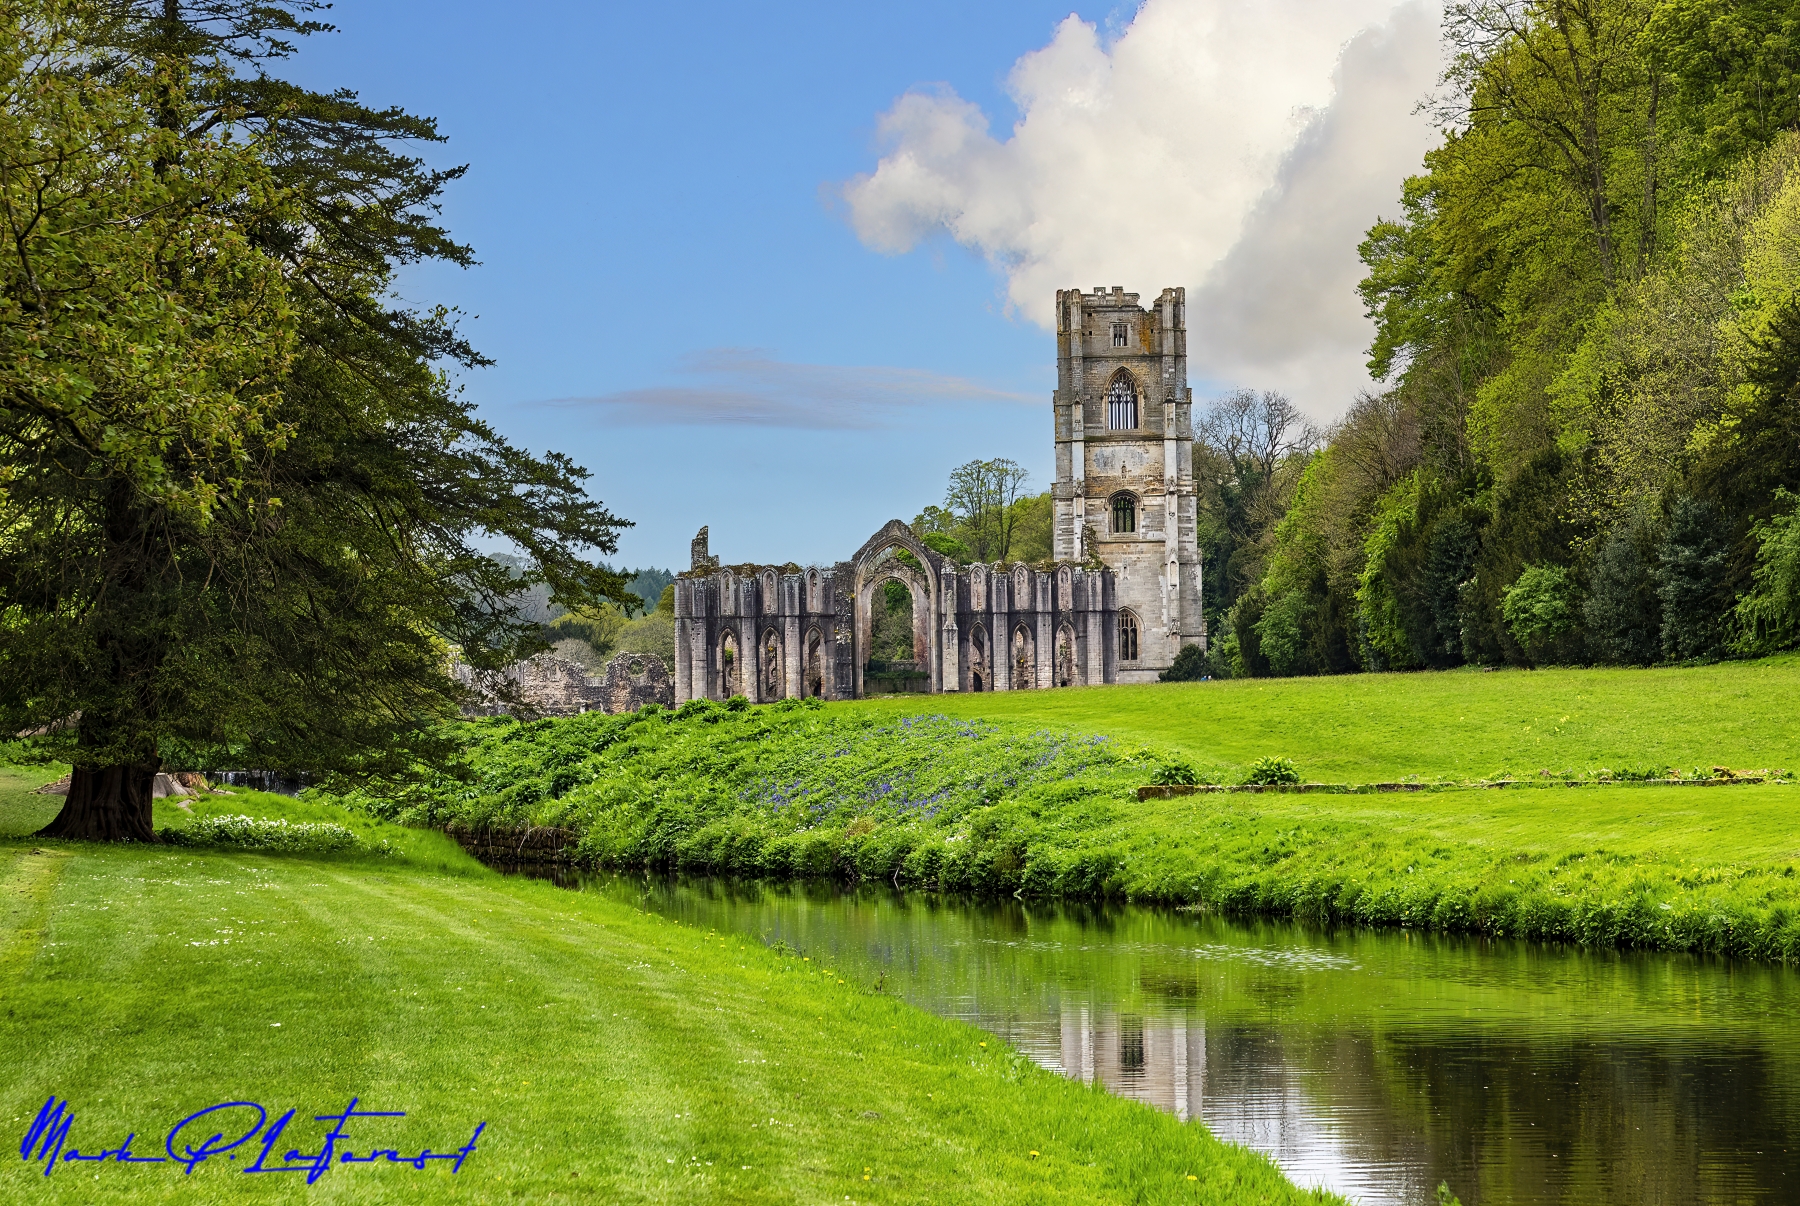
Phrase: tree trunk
pixel 107 804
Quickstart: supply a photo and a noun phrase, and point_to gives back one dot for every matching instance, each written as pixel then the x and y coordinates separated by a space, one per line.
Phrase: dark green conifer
pixel 1692 583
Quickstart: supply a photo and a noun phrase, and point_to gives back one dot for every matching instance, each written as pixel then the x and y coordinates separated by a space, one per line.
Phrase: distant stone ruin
pixel 547 685
pixel 635 679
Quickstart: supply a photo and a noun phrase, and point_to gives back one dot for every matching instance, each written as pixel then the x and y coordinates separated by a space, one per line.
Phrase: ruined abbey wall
pixel 779 632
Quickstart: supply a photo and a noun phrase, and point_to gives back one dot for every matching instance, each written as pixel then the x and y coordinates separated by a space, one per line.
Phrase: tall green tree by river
pixel 241 497
pixel 1579 309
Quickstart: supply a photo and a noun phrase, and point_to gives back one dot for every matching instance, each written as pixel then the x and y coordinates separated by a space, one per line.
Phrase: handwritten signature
pixel 49 1135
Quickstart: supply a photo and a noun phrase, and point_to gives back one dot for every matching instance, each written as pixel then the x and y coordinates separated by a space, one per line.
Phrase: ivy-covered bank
pixel 964 805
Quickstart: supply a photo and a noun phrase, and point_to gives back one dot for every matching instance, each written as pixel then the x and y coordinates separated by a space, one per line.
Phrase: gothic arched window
pixel 1124 514
pixel 1121 404
pixel 1128 637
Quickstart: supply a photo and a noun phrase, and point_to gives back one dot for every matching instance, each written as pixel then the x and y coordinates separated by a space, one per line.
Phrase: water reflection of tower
pixel 1159 1061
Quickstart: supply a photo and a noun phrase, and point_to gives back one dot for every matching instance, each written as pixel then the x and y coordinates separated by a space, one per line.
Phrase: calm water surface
pixel 1376 1064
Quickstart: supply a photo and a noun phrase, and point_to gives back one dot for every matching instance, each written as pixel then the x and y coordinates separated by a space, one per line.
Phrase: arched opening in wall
pixel 815 664
pixel 978 663
pixel 1124 513
pixel 772 677
pixel 1121 403
pixel 730 672
pixel 895 661
pixel 1065 657
pixel 1128 637
pixel 1024 660
pixel 891 636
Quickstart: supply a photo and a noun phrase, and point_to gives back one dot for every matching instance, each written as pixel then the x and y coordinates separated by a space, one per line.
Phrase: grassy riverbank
pixel 1458 724
pixel 1041 800
pixel 615 1056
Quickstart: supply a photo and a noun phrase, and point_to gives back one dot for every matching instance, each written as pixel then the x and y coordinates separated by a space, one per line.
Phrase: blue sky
pixel 677 291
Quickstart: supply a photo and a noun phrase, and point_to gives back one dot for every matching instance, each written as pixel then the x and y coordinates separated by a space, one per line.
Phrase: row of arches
pixel 764 676
pixel 1022 655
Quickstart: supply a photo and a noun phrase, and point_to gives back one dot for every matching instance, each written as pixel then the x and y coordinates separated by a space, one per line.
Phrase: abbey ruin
pixel 1119 599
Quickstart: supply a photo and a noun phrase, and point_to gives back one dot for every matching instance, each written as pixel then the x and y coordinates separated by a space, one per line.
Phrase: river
pixel 1374 1063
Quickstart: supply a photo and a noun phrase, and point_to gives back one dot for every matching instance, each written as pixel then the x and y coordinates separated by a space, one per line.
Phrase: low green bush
pixel 263 833
pixel 1174 772
pixel 1272 771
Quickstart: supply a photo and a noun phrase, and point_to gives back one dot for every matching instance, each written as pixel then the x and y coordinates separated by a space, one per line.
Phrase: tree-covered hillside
pixel 1587 312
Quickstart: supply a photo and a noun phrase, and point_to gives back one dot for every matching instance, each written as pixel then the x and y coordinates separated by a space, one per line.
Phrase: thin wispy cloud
pixel 746 386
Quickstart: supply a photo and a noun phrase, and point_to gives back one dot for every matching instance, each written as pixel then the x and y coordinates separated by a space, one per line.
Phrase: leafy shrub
pixel 1189 666
pixel 26 752
pixel 737 703
pixel 261 833
pixel 704 709
pixel 1283 636
pixel 949 546
pixel 1540 609
pixel 1173 772
pixel 1768 617
pixel 1270 771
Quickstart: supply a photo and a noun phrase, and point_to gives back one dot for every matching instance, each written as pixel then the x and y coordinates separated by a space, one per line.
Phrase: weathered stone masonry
pixel 779 632
pixel 1124 490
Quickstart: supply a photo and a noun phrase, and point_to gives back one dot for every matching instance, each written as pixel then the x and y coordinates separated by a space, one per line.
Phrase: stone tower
pixel 1124 465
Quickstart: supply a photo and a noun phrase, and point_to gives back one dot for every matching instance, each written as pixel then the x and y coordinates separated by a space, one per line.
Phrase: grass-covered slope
pixel 614 1056
pixel 1459 724
pixel 1028 803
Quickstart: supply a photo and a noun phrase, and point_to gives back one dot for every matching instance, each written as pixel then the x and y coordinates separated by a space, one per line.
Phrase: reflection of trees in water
pixel 1377 1063
pixel 1638 1119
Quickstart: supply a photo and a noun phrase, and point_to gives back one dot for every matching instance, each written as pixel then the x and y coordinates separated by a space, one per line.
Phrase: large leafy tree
pixel 243 502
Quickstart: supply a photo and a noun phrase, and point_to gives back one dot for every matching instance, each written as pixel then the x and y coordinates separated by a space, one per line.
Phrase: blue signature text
pixel 226 1128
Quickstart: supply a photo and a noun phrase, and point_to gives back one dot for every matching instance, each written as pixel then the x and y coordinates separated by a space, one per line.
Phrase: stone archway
pixel 1024 659
pixel 813 681
pixel 895 555
pixel 1065 657
pixel 919 668
pixel 771 667
pixel 731 668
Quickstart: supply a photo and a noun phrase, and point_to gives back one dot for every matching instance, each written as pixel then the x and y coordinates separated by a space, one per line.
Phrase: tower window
pixel 1128 637
pixel 1121 332
pixel 1121 404
pixel 1124 514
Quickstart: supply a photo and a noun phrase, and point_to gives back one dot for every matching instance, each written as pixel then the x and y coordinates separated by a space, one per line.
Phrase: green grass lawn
pixel 615 1056
pixel 1460 724
pixel 1017 793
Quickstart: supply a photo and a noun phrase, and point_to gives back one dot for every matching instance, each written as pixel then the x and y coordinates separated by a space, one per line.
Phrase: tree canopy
pixel 244 505
pixel 1583 443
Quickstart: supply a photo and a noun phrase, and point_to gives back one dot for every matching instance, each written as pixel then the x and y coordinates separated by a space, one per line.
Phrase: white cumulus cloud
pixel 1239 149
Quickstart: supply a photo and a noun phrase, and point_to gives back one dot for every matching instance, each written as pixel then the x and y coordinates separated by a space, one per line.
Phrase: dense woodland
pixel 1586 436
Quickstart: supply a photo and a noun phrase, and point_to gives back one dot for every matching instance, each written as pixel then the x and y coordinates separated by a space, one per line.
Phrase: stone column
pixel 683 672
pixel 1046 631
pixel 700 674
pixel 791 655
pixel 949 667
pixel 1093 620
pixel 1000 631
pixel 744 669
